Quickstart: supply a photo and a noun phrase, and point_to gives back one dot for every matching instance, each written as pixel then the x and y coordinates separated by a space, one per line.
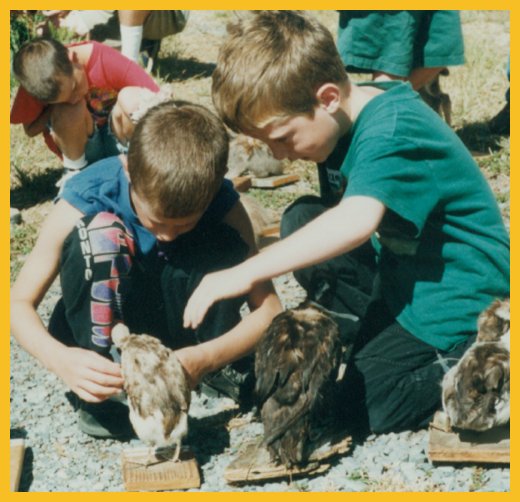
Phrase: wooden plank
pixel 253 462
pixel 161 474
pixel 445 445
pixel 242 183
pixel 16 463
pixel 275 181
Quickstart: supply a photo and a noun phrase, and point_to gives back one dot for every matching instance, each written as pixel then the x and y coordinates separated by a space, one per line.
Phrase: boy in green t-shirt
pixel 407 236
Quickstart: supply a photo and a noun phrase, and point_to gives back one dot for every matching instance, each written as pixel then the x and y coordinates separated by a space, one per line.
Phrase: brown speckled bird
pixel 475 392
pixel 296 365
pixel 158 392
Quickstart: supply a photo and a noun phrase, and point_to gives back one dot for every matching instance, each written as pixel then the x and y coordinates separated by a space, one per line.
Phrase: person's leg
pixel 131 24
pixel 71 126
pixel 393 379
pixel 94 273
pixel 419 77
pixel 344 285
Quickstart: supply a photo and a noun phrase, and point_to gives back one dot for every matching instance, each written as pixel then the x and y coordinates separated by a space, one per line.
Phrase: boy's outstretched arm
pixel 337 231
pixel 91 376
pixel 242 339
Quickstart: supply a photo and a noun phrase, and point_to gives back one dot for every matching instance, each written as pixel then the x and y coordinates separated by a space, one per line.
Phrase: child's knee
pixel 66 117
pixel 130 98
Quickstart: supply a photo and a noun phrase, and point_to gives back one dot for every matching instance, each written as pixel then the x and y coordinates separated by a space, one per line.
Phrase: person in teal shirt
pixel 412 45
pixel 404 247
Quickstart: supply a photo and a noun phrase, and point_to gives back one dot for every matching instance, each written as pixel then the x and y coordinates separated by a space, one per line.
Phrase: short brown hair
pixel 272 64
pixel 39 64
pixel 177 158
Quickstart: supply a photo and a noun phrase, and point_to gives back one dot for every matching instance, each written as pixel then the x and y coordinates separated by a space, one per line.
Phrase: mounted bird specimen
pixel 475 392
pixel 158 391
pixel 296 366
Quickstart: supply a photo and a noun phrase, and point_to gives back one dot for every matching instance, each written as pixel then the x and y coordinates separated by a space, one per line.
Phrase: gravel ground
pixel 61 458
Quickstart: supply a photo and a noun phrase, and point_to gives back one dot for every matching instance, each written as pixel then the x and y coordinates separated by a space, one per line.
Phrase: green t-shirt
pixel 443 248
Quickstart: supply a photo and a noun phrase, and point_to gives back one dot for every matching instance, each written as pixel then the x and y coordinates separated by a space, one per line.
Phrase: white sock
pixel 131 37
pixel 74 165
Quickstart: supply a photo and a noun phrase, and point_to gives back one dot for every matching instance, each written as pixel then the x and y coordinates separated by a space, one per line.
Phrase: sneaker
pixel 106 420
pixel 16 216
pixel 229 382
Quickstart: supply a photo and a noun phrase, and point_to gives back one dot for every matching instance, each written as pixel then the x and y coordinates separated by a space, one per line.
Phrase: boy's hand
pixel 228 283
pixel 92 377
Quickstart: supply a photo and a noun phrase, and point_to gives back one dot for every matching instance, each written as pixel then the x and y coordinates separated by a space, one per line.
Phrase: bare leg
pixel 422 76
pixel 380 76
pixel 131 26
pixel 71 127
pixel 419 77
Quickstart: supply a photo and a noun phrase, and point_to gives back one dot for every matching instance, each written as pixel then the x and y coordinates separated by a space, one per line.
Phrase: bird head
pixel 119 334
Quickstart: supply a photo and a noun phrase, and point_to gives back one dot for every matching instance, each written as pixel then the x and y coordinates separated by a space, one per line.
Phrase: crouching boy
pixel 131 239
pixel 407 235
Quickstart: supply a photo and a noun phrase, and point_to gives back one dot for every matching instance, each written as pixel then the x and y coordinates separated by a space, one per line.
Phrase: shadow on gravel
pixel 209 436
pixel 173 69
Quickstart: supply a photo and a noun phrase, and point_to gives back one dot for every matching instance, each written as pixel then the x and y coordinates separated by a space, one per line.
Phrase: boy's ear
pixel 329 97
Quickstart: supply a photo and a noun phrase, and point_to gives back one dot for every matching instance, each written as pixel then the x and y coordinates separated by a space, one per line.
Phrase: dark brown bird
pixel 158 392
pixel 476 391
pixel 296 365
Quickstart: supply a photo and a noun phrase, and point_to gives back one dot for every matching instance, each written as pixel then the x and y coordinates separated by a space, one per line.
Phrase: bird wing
pixel 294 361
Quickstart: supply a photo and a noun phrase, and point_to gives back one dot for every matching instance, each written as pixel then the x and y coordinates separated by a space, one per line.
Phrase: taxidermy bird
pixel 475 392
pixel 252 155
pixel 296 366
pixel 158 391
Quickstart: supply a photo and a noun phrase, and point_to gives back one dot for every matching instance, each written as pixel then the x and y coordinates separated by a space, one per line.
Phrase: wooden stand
pixel 254 463
pixel 161 475
pixel 16 463
pixel 275 181
pixel 446 445
pixel 242 183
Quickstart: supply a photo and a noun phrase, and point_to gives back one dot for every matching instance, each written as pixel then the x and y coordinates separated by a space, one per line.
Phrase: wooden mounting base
pixel 162 474
pixel 254 463
pixel 17 454
pixel 447 445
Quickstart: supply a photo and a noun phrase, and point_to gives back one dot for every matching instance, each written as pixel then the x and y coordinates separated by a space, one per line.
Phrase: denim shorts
pixel 103 143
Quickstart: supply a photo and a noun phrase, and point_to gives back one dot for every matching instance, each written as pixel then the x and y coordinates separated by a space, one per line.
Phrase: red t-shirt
pixel 107 70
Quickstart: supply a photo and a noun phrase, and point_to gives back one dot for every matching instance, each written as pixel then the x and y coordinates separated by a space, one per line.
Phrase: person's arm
pixel 242 339
pixel 337 231
pixel 91 376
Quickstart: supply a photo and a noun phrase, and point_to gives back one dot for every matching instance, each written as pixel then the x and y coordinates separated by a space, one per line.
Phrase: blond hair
pixel 271 65
pixel 177 158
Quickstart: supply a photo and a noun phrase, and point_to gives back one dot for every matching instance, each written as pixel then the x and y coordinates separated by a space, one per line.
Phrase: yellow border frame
pixel 4 256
